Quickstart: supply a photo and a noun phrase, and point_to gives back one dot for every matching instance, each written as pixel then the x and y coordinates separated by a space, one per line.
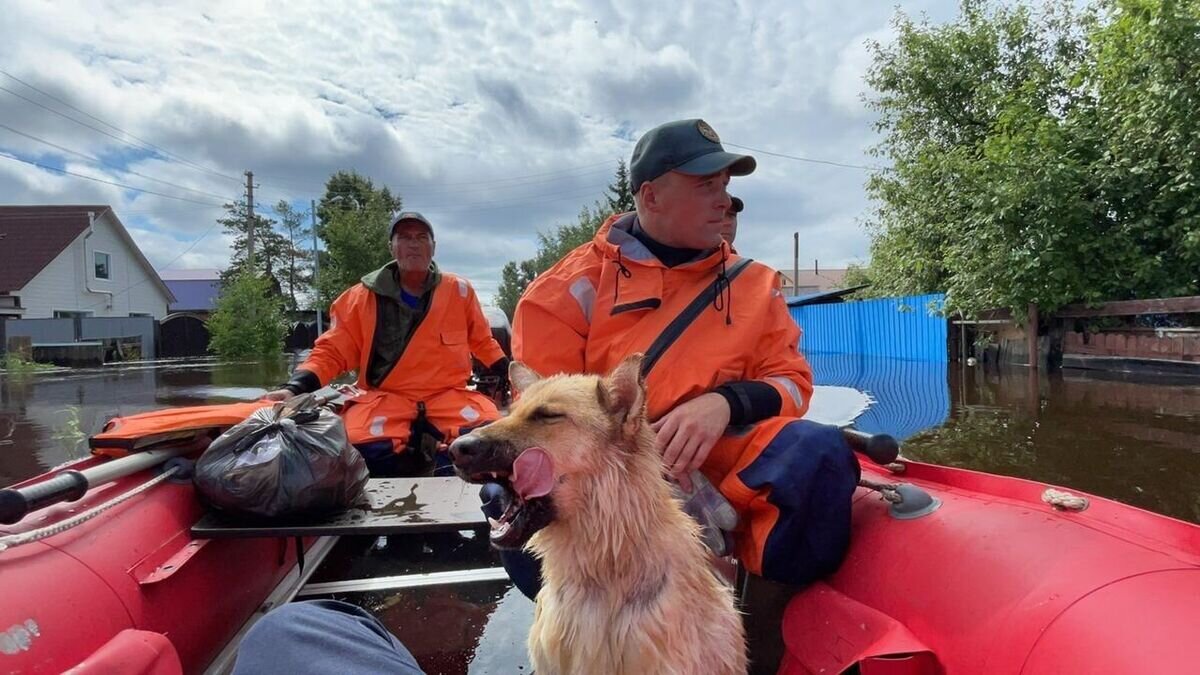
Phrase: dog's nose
pixel 467 447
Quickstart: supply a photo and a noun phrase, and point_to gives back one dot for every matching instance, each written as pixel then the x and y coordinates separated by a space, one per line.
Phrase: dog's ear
pixel 623 394
pixel 521 376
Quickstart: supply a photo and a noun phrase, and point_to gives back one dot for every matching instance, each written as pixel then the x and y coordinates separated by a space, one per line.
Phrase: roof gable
pixel 32 236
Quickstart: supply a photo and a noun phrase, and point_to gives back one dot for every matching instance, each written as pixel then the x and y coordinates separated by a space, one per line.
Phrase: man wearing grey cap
pixel 409 329
pixel 725 388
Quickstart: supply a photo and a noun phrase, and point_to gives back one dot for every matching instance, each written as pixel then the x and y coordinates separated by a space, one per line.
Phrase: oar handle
pixel 69 485
pixel 66 486
pixel 879 448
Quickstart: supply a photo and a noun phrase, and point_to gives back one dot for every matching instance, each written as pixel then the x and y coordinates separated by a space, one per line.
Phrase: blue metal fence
pixel 910 327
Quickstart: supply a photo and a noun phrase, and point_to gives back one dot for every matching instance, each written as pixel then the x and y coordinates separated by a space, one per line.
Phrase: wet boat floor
pixel 480 627
pixel 474 627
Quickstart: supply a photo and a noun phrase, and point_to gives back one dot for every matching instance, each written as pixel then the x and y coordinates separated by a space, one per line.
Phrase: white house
pixel 68 261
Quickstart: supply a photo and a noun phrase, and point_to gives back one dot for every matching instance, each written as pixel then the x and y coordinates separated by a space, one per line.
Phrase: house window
pixel 66 314
pixel 103 266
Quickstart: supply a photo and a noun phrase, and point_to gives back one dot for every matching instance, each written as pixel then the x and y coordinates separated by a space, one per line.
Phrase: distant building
pixel 74 261
pixel 812 281
pixel 194 290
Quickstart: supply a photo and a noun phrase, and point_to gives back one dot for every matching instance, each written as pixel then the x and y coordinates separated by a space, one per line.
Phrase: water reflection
pixel 474 628
pixel 1136 442
pixel 910 396
pixel 45 419
pixel 1132 441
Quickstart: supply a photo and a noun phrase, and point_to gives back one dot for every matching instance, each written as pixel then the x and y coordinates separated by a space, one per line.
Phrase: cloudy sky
pixel 496 120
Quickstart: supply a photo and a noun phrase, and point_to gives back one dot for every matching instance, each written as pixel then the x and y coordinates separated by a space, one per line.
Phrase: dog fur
pixel 627 584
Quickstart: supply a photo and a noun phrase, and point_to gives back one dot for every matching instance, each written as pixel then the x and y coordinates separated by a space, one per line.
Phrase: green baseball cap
pixel 686 146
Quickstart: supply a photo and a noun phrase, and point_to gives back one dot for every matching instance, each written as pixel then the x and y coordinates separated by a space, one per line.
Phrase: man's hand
pixel 278 395
pixel 688 433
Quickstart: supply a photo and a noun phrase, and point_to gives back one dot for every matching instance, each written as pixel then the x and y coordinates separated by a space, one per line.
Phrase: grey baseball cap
pixel 686 146
pixel 410 216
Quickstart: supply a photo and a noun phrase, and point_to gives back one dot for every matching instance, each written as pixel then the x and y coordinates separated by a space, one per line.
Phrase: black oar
pixel 70 485
pixel 879 448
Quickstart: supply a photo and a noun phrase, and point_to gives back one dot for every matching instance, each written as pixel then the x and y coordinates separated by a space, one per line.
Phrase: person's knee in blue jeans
pixel 322 636
pixel 523 569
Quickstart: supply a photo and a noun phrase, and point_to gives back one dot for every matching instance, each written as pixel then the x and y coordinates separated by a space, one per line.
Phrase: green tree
pixel 296 265
pixel 514 277
pixel 248 319
pixel 620 193
pixel 355 216
pixel 1038 156
pixel 553 245
pixel 348 191
pixel 1144 67
pixel 270 247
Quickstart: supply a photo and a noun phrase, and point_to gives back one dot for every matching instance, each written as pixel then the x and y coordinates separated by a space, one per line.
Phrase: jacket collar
pixel 615 239
pixel 385 281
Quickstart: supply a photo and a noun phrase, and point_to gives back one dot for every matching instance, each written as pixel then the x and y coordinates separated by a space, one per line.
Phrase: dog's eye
pixel 546 415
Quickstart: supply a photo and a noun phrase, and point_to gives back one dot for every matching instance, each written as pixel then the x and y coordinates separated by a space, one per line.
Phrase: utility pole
pixel 312 210
pixel 795 263
pixel 250 218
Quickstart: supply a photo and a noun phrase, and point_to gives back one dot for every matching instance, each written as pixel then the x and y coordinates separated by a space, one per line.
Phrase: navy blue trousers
pixel 319 637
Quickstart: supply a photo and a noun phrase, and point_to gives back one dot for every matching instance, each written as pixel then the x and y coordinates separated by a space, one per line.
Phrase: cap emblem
pixel 707 131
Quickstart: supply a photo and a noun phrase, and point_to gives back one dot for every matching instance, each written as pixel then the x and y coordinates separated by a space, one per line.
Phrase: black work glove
pixel 499 371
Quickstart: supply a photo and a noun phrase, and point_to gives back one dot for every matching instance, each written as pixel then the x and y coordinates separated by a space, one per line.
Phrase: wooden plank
pixel 1184 305
pixel 397 505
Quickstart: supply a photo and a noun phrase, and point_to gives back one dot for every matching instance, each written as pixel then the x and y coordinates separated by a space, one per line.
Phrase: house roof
pixel 32 236
pixel 824 279
pixel 194 294
pixel 190 275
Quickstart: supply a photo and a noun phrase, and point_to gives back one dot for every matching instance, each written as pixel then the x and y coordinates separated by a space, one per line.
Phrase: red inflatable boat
pixel 989 575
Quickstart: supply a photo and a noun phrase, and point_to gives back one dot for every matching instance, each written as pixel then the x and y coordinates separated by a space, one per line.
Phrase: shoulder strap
pixel 680 323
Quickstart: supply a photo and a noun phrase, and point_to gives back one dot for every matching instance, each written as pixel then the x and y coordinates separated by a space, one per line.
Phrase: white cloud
pixel 450 104
pixel 847 85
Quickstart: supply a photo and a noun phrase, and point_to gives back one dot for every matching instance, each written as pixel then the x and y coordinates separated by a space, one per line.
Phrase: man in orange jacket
pixel 727 395
pixel 409 329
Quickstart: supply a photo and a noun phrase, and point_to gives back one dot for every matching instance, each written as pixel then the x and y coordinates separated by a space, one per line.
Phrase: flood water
pixel 1134 441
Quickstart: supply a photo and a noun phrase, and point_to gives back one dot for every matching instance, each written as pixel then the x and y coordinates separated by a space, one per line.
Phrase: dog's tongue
pixel 533 473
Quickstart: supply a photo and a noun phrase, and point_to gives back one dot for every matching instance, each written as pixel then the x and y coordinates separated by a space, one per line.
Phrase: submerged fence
pixel 910 327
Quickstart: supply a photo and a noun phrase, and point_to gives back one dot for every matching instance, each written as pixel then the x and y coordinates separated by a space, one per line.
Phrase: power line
pixel 492 206
pixel 102 163
pixel 101 180
pixel 805 159
pixel 154 212
pixel 564 172
pixel 164 151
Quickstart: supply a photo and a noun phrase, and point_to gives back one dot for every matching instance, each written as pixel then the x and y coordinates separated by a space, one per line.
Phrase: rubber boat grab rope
pixel 886 490
pixel 1064 500
pixel 15 540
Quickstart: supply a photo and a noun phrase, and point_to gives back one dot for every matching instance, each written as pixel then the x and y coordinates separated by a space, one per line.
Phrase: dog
pixel 627 585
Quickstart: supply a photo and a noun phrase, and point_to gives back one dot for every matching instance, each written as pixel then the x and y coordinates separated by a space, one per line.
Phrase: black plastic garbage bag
pixel 290 459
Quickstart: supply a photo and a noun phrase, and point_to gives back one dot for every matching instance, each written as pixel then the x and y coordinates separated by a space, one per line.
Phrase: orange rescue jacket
pixel 437 356
pixel 611 297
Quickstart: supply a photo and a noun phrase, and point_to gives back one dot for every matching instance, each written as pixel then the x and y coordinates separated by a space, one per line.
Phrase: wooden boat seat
pixel 397 506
